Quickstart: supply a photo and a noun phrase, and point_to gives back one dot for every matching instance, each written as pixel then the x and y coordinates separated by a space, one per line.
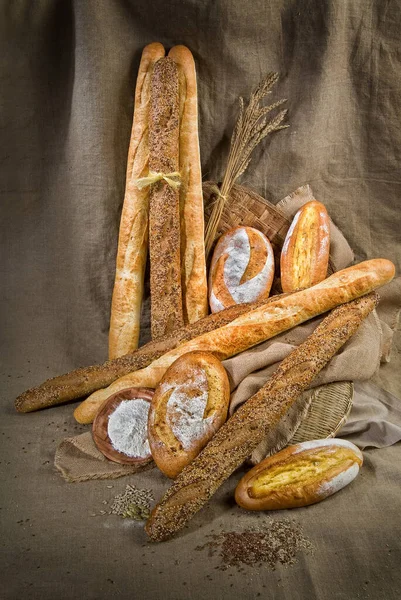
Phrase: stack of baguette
pixel 164 219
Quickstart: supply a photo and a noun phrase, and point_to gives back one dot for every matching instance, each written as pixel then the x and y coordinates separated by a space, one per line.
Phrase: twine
pixel 154 176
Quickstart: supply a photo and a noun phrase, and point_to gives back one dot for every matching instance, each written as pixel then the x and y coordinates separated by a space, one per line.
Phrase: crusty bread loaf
pixel 242 268
pixel 133 236
pixel 164 215
pixel 189 405
pixel 85 380
pixel 132 406
pixel 257 326
pixel 193 262
pixel 299 475
pixel 305 254
pixel 237 438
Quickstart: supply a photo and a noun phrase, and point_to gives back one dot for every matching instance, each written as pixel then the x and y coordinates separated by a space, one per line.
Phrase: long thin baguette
pixel 256 326
pixel 84 381
pixel 193 262
pixel 133 235
pixel 237 438
pixel 164 216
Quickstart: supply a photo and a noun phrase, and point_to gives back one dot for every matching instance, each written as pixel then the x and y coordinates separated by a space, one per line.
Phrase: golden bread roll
pixel 133 235
pixel 193 261
pixel 299 475
pixel 189 405
pixel 242 268
pixel 305 253
pixel 256 326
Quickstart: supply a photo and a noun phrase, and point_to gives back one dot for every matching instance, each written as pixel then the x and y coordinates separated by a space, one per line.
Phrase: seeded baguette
pixel 84 381
pixel 134 225
pixel 193 262
pixel 164 216
pixel 256 326
pixel 237 438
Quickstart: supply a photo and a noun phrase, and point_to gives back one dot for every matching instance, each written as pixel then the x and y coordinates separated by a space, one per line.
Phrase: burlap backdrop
pixel 68 71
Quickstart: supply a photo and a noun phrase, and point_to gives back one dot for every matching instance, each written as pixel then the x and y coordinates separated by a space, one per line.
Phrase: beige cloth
pixel 78 459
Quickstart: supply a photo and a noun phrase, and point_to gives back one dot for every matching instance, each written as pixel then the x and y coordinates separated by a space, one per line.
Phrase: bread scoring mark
pixel 272 313
pixel 186 407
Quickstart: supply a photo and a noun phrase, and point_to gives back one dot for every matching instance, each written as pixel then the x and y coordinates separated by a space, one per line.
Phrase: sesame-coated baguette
pixel 193 261
pixel 237 438
pixel 164 216
pixel 133 235
pixel 256 326
pixel 84 381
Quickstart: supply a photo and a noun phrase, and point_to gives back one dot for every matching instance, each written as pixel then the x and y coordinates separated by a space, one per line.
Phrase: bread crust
pixel 133 234
pixel 299 475
pixel 257 326
pixel 242 268
pixel 193 262
pixel 164 214
pixel 305 254
pixel 176 430
pixel 241 434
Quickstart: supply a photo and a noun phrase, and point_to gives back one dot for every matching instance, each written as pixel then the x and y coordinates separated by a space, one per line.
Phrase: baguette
pixel 256 326
pixel 133 235
pixel 164 214
pixel 193 262
pixel 237 439
pixel 84 381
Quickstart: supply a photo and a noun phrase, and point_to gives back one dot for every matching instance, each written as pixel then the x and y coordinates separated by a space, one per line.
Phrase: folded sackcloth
pixel 78 459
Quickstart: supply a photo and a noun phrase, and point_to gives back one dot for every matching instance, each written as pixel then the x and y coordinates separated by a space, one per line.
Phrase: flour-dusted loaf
pixel 164 216
pixel 305 254
pixel 189 405
pixel 193 262
pixel 299 475
pixel 256 326
pixel 242 268
pixel 120 430
pixel 133 236
pixel 241 434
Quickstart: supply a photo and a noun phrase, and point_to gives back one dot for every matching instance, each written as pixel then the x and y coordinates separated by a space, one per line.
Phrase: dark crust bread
pixel 164 215
pixel 237 438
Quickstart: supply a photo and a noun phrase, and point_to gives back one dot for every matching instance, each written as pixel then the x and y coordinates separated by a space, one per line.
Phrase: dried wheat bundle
pixel 251 128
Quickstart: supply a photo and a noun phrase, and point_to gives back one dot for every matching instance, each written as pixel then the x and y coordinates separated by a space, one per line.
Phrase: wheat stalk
pixel 250 129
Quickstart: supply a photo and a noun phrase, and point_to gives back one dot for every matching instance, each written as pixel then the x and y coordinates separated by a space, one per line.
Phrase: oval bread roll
pixel 299 475
pixel 242 268
pixel 189 405
pixel 305 253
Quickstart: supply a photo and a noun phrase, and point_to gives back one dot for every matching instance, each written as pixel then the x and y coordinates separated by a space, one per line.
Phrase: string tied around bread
pixel 155 176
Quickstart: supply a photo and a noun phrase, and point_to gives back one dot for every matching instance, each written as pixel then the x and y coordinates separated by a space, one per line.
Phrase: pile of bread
pixel 168 401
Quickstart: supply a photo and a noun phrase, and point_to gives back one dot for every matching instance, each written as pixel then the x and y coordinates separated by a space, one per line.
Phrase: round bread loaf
pixel 120 429
pixel 189 405
pixel 242 268
pixel 299 475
